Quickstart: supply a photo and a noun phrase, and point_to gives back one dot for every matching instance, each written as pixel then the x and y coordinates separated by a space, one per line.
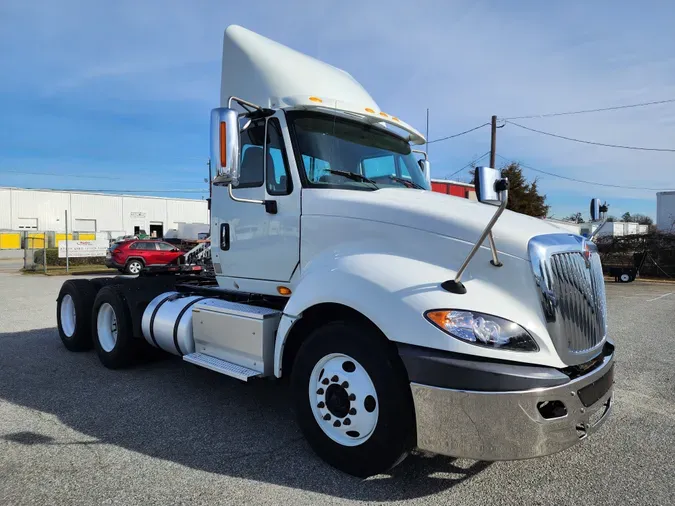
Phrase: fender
pixel 394 292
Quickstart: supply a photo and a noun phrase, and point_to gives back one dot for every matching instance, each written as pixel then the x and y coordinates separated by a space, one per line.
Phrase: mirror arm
pixel 495 257
pixel 420 152
pixel 456 285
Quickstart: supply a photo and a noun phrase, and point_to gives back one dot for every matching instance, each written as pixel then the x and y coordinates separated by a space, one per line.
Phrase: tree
pixel 642 219
pixel 524 197
pixel 575 218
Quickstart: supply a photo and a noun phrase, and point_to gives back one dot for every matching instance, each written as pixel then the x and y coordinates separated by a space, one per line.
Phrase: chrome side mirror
pixel 595 209
pixel 225 145
pixel 425 165
pixel 491 188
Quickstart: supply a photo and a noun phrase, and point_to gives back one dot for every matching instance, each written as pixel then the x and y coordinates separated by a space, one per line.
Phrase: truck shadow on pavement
pixel 171 410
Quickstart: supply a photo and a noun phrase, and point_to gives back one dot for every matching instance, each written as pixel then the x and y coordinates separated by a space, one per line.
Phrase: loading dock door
pixel 156 230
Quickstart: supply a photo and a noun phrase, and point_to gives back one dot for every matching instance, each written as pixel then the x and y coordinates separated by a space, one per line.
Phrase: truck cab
pixel 403 318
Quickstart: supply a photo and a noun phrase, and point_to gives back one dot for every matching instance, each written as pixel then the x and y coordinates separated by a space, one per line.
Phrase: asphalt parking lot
pixel 73 432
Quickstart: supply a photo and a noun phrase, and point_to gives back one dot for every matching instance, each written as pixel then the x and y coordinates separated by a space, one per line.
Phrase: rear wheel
pixel 111 329
pixel 625 278
pixel 352 399
pixel 73 314
pixel 134 267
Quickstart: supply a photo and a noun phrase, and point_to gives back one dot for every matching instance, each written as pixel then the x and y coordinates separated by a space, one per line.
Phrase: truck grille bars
pixel 568 273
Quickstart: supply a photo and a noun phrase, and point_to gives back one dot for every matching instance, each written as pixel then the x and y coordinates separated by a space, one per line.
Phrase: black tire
pixel 394 434
pixel 124 351
pixel 132 265
pixel 81 294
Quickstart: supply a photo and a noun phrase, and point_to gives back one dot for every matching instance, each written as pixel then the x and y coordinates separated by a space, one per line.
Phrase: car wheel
pixel 73 314
pixel 352 399
pixel 112 330
pixel 134 267
pixel 625 278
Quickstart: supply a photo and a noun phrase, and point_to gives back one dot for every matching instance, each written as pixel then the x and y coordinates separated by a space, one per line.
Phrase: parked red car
pixel 131 256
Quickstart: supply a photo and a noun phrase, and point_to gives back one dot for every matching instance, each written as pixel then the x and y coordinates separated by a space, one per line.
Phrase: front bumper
pixel 508 425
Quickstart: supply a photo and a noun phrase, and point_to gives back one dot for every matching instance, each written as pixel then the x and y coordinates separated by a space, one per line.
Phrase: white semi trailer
pixel 404 318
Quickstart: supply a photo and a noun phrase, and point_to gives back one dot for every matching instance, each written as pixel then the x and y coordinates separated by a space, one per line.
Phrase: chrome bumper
pixel 507 425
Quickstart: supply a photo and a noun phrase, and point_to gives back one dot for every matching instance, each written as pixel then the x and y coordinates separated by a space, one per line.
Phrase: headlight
pixel 482 329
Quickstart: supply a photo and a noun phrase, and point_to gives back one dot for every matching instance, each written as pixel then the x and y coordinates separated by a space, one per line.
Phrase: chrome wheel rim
pixel 68 316
pixel 135 267
pixel 106 327
pixel 343 399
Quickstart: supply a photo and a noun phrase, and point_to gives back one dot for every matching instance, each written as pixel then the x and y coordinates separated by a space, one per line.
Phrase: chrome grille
pixel 569 274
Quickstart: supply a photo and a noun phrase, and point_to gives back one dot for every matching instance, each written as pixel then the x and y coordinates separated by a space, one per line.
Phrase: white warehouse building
pixel 665 211
pixel 106 215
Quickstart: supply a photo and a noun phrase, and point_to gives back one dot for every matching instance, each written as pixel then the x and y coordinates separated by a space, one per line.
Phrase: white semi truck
pixel 403 318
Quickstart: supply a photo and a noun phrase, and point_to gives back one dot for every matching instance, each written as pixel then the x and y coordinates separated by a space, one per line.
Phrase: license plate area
pixel 590 394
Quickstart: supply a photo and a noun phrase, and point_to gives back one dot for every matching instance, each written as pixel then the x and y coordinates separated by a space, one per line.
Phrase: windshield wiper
pixel 353 176
pixel 407 182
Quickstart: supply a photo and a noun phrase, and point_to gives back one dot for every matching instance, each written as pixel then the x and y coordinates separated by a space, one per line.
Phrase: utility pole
pixel 427 144
pixel 493 142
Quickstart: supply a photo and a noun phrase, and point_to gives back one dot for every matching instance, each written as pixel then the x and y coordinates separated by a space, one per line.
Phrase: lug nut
pixel 352 411
pixel 326 417
pixel 325 381
pixel 335 379
pixel 352 397
pixel 345 384
pixel 347 421
pixel 321 405
pixel 319 391
pixel 337 423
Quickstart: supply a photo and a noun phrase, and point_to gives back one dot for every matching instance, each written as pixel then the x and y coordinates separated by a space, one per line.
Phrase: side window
pixel 251 168
pixel 136 245
pixel 278 177
pixel 164 246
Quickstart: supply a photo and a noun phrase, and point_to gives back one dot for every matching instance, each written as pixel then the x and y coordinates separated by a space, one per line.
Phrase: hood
pixel 433 212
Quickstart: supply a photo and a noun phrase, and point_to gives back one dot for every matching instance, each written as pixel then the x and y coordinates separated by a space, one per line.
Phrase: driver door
pixel 260 244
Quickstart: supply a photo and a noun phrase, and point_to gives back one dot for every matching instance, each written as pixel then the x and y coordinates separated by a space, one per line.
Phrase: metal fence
pixel 36 247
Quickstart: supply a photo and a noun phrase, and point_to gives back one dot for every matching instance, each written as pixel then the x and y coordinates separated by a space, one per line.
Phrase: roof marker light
pixel 316 99
pixel 384 114
pixel 371 111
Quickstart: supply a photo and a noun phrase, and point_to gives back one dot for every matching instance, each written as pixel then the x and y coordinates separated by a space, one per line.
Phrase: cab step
pixel 221 366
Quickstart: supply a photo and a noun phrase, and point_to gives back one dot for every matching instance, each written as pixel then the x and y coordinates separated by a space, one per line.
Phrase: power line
pixel 666 150
pixel 468 164
pixel 581 180
pixel 587 111
pixel 457 135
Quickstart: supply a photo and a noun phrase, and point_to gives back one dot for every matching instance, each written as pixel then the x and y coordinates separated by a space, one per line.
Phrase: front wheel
pixel 625 278
pixel 352 399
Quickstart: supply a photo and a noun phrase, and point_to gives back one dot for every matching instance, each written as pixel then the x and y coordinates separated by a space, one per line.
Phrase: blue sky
pixel 116 95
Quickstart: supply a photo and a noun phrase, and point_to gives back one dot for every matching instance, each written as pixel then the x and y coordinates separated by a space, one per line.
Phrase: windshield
pixel 336 152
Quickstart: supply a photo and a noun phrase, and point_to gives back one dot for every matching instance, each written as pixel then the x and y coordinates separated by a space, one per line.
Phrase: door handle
pixel 225 236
